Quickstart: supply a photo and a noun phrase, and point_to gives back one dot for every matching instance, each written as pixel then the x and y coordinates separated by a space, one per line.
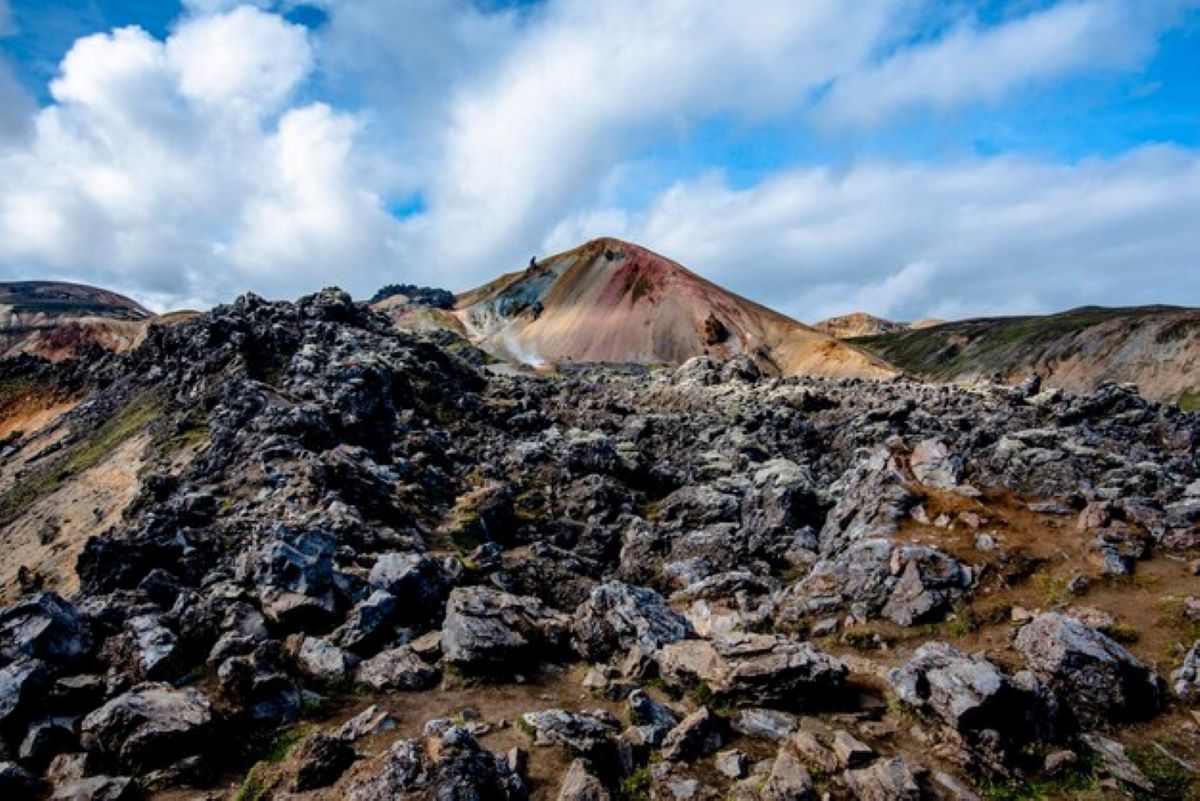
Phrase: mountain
pixel 612 301
pixel 58 320
pixel 858 324
pixel 289 548
pixel 1155 347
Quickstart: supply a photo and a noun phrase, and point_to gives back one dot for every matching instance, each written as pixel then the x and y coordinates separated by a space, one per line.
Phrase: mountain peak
pixel 614 301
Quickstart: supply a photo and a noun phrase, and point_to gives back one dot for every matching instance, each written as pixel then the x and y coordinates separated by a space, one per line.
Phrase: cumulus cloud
pixel 989 236
pixel 246 152
pixel 176 169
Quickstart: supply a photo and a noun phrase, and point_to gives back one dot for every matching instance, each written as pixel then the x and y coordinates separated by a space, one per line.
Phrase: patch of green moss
pixel 701 693
pixel 1190 401
pixel 635 786
pixel 1171 780
pixel 257 785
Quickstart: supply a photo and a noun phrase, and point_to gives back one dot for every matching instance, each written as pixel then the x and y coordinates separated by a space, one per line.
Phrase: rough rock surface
pixel 326 511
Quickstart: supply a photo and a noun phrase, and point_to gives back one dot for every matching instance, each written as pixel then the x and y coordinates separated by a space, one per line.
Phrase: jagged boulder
pixel 1187 678
pixel 618 616
pixel 935 465
pixel 149 726
pixel 760 669
pixel 397 669
pixel 452 766
pixel 46 627
pixel 489 630
pixel 1099 678
pixel 887 780
pixel 416 581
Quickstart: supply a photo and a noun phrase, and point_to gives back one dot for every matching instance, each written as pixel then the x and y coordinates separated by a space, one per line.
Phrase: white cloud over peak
pixel 245 152
pixel 911 240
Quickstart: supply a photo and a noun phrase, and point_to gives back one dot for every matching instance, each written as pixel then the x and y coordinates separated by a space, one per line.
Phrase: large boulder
pixel 966 693
pixel 397 669
pixel 452 766
pixel 935 465
pixel 416 581
pixel 618 617
pixel 489 630
pixel 761 669
pixel 1100 680
pixel 589 734
pixel 1187 678
pixel 887 780
pixel 23 684
pixel 46 627
pixel 149 726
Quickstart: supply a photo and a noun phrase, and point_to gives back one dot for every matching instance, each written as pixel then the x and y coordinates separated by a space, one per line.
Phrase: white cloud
pixel 193 168
pixel 245 58
pixel 914 240
pixel 972 64
pixel 162 169
pixel 591 81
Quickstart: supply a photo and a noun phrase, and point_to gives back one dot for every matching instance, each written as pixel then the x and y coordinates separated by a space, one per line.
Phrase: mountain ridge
pixel 613 301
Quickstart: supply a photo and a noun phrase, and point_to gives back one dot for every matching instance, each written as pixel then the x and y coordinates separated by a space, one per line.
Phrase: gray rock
pixel 618 616
pixel 1186 680
pixel 934 465
pixel 814 752
pixel 322 660
pixel 321 762
pixel 369 624
pixel 44 626
pixel 966 693
pixel 368 723
pixel 156 647
pixel 455 767
pixel 587 734
pixel 769 724
pixel 886 780
pixel 754 668
pixel 851 752
pixel 17 782
pixel 697 735
pixel 579 784
pixel 789 780
pixel 22 687
pixel 397 669
pixel 97 788
pixel 732 764
pixel 652 719
pixel 416 582
pixel 1099 678
pixel 149 726
pixel 1116 763
pixel 489 630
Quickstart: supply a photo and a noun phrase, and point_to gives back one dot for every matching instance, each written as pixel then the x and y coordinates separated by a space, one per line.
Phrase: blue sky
pixel 910 157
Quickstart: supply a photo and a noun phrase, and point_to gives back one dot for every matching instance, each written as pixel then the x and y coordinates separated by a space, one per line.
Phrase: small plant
pixel 701 693
pixel 861 639
pixel 1054 590
pixel 257 785
pixel 1122 632
pixel 635 786
pixel 964 623
pixel 1171 780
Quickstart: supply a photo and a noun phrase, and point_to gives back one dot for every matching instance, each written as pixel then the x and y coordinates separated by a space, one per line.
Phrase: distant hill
pixel 58 320
pixel 612 301
pixel 1155 347
pixel 858 324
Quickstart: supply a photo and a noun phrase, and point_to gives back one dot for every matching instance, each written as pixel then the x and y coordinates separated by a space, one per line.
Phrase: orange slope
pixel 611 301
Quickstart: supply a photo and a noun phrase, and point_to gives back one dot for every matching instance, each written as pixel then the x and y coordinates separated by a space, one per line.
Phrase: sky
pixel 911 158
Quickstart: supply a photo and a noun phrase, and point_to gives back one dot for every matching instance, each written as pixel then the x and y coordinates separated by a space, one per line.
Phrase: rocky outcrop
pixel 1099 679
pixel 755 669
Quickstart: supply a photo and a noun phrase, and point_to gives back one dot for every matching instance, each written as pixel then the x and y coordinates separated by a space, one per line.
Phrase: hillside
pixel 1155 347
pixel 858 324
pixel 611 301
pixel 285 550
pixel 58 320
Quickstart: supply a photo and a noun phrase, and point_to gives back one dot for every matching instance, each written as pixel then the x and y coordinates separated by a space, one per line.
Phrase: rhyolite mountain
pixel 59 320
pixel 289 550
pixel 612 301
pixel 1155 347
